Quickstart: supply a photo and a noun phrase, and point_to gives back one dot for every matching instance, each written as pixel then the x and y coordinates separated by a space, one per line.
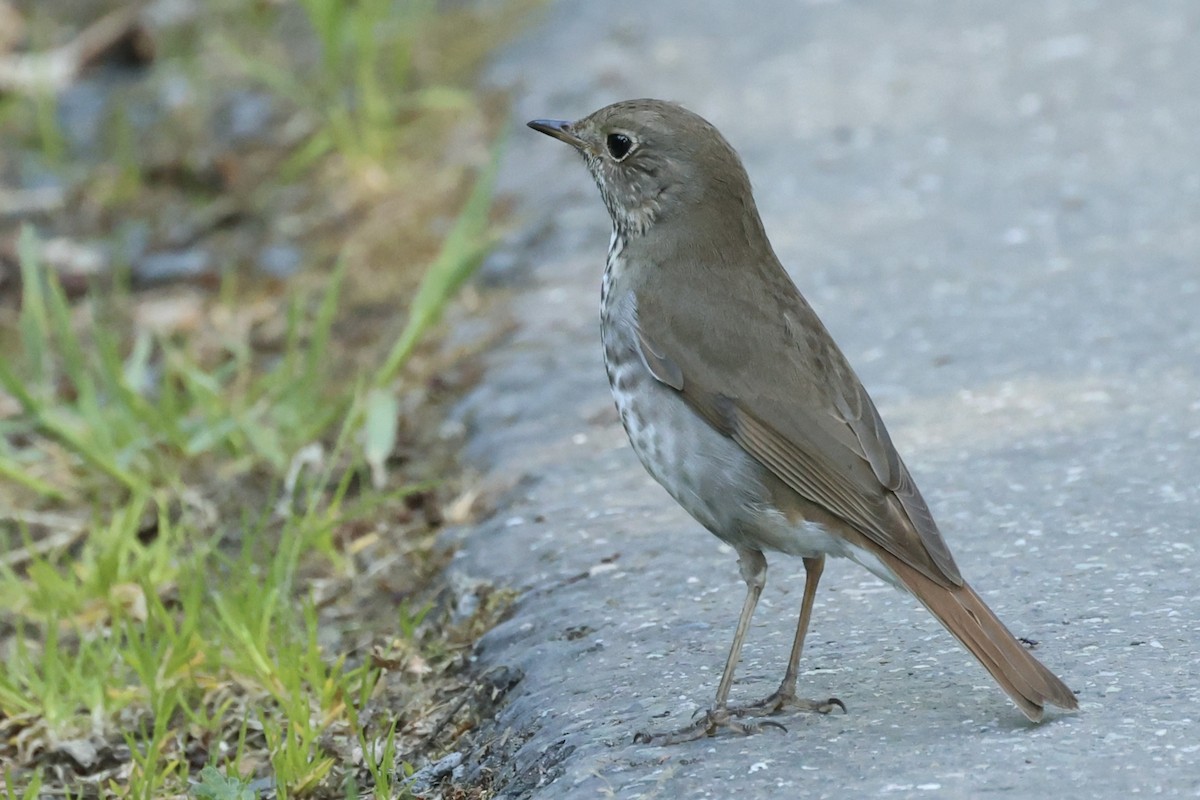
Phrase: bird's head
pixel 653 159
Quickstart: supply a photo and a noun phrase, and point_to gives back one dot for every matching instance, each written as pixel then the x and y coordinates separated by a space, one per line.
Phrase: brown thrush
pixel 738 401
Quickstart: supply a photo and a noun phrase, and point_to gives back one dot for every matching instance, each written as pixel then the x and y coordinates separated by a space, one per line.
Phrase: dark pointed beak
pixel 557 128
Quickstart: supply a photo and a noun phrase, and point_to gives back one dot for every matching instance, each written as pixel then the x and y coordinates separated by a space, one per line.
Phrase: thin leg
pixel 813 567
pixel 754 572
pixel 753 567
pixel 785 695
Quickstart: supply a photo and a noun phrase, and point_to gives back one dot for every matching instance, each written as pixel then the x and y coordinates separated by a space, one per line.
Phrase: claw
pixel 697 730
pixel 712 722
pixel 780 702
pixel 733 719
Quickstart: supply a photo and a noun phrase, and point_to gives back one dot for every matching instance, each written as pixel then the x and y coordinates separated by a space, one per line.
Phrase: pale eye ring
pixel 618 145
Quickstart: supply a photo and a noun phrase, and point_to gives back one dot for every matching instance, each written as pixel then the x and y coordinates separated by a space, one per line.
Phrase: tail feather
pixel 1030 685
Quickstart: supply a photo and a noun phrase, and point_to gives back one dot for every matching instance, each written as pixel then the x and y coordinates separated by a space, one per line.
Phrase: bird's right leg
pixel 785 696
pixel 753 567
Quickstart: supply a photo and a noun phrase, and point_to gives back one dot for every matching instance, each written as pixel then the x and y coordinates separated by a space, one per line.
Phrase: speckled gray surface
pixel 996 210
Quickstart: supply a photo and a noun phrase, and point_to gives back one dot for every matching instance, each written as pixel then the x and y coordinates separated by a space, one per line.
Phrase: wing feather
pixel 810 422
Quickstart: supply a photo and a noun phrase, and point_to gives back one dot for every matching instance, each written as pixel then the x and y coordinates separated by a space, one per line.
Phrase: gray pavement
pixel 995 207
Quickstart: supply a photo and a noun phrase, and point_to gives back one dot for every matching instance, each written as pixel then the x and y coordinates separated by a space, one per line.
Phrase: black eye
pixel 618 145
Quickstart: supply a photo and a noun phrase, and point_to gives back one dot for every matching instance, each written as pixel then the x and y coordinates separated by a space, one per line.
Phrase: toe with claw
pixel 780 702
pixel 708 725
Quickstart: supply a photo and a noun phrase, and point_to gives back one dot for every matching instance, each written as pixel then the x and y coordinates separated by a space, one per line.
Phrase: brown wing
pixel 774 381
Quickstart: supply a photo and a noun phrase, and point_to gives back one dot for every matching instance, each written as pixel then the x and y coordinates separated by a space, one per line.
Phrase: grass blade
pixel 465 246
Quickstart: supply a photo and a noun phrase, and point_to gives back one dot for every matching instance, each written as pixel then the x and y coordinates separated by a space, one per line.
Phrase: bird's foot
pixel 708 725
pixel 781 701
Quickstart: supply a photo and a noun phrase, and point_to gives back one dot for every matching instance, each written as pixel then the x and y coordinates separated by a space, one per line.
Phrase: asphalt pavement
pixel 995 208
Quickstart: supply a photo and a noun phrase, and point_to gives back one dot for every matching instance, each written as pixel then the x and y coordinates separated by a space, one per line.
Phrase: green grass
pixel 362 83
pixel 128 438
pixel 134 627
pixel 188 523
pixel 171 620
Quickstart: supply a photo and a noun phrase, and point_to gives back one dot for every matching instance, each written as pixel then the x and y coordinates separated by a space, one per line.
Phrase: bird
pixel 737 400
